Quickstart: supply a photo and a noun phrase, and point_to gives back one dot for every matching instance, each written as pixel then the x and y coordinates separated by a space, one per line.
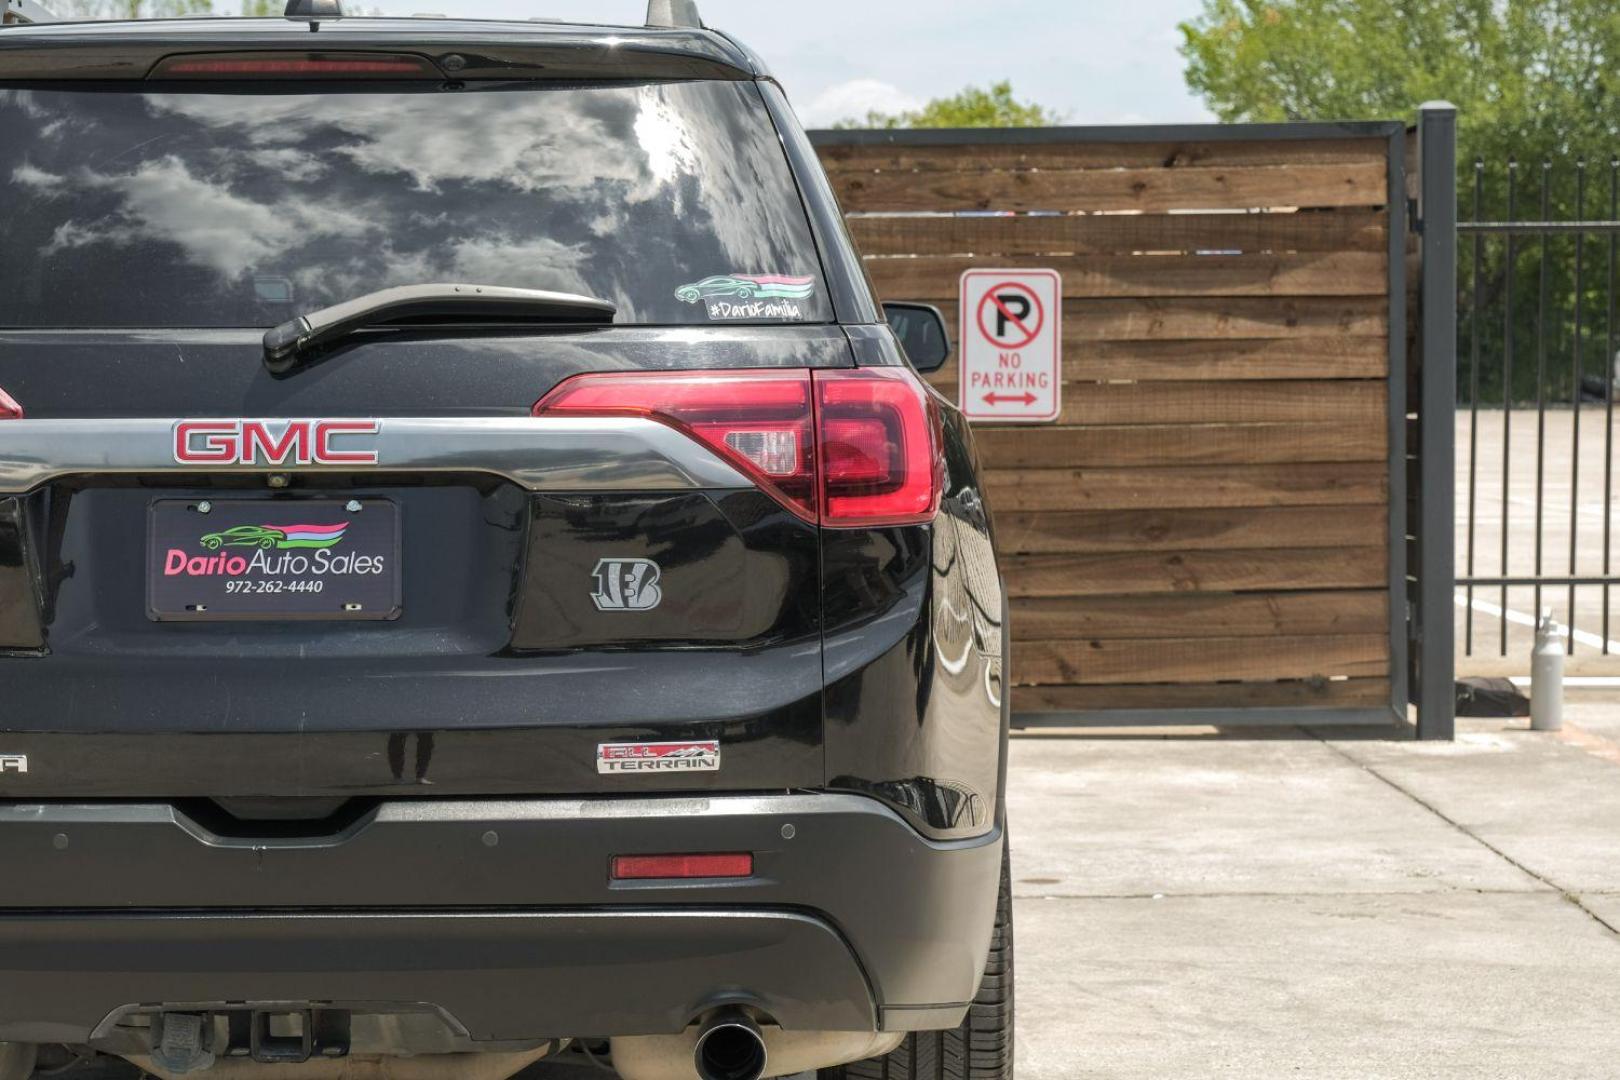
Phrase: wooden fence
pixel 1209 523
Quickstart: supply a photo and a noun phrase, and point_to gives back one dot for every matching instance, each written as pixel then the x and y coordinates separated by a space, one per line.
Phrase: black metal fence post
pixel 1437 419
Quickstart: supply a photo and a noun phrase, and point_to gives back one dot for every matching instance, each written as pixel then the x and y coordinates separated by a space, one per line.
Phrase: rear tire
pixel 982 1048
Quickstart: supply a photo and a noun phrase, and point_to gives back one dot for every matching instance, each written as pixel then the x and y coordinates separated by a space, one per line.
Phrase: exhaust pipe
pixel 730 1047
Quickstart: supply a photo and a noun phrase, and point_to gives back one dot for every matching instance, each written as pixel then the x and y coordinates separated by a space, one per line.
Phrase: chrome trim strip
pixel 540 454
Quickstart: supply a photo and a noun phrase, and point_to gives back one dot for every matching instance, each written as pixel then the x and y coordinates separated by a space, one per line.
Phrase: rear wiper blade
pixel 286 344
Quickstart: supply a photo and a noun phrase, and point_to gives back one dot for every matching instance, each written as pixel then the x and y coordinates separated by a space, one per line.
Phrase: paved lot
pixel 1310 904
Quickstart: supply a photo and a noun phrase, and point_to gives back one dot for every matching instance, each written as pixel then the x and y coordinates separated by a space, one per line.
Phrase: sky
pixel 1094 61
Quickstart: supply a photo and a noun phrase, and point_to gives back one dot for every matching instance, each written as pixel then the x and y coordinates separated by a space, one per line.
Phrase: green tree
pixel 1532 77
pixel 1534 81
pixel 974 107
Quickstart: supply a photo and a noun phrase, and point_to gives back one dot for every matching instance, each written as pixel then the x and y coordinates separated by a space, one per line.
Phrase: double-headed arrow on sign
pixel 1026 397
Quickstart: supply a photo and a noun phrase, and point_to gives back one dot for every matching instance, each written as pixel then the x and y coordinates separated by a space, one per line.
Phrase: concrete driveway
pixel 1329 904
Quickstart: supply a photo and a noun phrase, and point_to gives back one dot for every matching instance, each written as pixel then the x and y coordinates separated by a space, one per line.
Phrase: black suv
pixel 598 657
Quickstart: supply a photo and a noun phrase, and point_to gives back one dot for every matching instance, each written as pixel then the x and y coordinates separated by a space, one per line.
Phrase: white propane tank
pixel 1547 676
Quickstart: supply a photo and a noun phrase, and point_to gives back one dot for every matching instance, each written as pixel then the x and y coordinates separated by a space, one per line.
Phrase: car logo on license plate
pixel 614 758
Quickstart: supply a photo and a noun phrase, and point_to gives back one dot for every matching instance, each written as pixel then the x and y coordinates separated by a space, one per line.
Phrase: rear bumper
pixel 499 915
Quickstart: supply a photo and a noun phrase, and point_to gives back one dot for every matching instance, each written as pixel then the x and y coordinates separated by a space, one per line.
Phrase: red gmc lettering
pixel 259 442
pixel 293 444
pixel 205 442
pixel 326 455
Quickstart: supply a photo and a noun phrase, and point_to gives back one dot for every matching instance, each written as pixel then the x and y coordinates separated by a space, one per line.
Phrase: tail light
pixel 284 65
pixel 760 421
pixel 880 448
pixel 9 409
pixel 841 448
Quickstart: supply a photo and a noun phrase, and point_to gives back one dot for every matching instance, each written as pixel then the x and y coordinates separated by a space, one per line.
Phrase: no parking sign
pixel 1012 346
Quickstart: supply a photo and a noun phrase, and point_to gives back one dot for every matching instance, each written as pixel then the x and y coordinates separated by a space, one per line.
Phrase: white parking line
pixel 1577 682
pixel 1485 607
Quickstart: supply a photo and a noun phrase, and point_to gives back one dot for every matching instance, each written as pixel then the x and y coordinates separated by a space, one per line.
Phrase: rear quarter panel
pixel 916 712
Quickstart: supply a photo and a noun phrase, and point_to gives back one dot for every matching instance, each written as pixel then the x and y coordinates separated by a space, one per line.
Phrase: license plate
pixel 273 559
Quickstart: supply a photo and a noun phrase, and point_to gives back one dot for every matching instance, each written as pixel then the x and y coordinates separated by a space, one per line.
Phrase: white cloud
pixel 162 200
pixel 548 264
pixel 295 165
pixel 33 177
pixel 852 100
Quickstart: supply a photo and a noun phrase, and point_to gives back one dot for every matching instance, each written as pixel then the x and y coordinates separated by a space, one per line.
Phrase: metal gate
pixel 1538 338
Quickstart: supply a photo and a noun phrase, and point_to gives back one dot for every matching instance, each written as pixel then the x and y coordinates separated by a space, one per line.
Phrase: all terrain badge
pixel 627 585
pixel 614 758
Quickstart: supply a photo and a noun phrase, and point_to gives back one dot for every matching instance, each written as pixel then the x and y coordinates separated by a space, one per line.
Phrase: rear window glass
pixel 132 209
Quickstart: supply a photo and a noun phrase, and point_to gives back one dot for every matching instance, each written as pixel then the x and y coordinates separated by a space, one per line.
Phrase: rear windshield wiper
pixel 288 343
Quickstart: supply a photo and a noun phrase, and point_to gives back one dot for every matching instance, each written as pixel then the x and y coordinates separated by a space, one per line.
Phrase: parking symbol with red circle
pixel 1011 315
pixel 1011 356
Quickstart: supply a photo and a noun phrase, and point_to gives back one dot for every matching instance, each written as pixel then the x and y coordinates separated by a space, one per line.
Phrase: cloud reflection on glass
pixel 207 209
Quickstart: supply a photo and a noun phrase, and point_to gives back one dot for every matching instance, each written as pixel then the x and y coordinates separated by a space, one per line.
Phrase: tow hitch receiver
pixel 288 1038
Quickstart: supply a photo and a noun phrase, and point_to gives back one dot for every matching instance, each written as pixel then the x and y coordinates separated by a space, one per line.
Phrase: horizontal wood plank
pixel 1150 190
pixel 1199 659
pixel 1256 615
pixel 1354 273
pixel 1366 439
pixel 966 157
pixel 1347 484
pixel 1179 318
pixel 1294 694
pixel 1122 234
pixel 1195 571
pixel 1344 357
pixel 1055 532
pixel 1347 401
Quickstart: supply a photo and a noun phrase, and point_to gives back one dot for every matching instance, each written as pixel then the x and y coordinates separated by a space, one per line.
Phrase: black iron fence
pixel 1538 334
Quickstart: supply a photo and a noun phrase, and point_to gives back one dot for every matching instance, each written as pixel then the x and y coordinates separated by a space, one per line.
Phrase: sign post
pixel 24 11
pixel 1012 346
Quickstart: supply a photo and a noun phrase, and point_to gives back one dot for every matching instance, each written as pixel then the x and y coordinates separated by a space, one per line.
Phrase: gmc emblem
pixel 273 442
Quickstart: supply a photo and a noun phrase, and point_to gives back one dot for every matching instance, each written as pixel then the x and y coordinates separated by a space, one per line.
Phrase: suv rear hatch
pixel 441 594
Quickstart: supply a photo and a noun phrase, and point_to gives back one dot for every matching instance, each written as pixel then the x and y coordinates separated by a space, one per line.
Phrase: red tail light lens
pixel 760 421
pixel 9 409
pixel 658 867
pixel 842 448
pixel 880 448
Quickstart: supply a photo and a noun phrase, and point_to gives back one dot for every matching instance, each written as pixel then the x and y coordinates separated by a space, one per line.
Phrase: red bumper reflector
pixel 660 867
pixel 9 409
